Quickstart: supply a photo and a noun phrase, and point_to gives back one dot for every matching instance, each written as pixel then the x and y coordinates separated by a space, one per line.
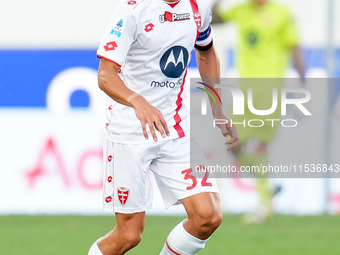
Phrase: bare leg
pixel 126 235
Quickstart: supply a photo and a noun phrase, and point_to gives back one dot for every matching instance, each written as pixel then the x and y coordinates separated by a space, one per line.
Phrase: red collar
pixel 173 4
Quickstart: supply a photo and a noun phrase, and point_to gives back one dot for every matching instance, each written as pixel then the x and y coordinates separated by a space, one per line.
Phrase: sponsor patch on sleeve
pixel 118 29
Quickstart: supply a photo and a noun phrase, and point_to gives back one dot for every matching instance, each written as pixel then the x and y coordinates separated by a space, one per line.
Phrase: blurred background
pixel 52 118
pixel 52 112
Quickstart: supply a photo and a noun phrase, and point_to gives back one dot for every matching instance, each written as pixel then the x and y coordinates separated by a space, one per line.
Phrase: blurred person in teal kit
pixel 267 37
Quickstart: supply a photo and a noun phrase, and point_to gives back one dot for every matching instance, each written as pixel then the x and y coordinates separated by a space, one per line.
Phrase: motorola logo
pixel 174 61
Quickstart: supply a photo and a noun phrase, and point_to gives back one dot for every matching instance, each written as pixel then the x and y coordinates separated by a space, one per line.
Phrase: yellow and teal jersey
pixel 266 35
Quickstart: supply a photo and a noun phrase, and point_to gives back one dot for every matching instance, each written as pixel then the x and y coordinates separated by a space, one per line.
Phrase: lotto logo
pixel 110 46
pixel 132 3
pixel 108 199
pixel 110 158
pixel 149 27
pixel 109 179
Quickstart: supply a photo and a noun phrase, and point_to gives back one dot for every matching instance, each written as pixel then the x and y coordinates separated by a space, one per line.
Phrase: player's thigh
pixel 134 222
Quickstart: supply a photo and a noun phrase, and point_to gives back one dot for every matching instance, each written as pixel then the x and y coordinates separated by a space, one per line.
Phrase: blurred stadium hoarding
pixel 52 115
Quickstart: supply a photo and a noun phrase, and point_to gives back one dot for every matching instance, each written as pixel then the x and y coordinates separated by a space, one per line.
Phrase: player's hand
pixel 228 130
pixel 147 114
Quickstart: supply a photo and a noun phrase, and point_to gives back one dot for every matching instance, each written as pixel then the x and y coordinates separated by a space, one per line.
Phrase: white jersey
pixel 152 41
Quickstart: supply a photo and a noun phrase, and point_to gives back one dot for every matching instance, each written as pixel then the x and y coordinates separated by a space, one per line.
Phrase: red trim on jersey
pixel 194 7
pixel 179 104
pixel 137 4
pixel 172 5
pixel 100 56
pixel 167 245
pixel 198 34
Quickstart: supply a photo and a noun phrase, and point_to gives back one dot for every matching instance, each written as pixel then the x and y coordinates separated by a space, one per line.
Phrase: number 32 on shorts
pixel 188 175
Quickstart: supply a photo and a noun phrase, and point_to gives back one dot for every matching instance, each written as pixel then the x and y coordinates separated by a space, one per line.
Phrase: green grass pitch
pixel 73 235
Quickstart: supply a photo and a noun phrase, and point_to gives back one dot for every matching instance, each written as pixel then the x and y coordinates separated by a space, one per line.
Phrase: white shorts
pixel 127 184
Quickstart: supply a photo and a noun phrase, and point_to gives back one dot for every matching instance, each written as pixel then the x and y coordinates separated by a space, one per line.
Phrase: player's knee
pixel 214 220
pixel 209 219
pixel 133 239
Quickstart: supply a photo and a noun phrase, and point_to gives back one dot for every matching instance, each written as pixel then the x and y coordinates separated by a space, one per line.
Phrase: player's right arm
pixel 122 31
pixel 114 87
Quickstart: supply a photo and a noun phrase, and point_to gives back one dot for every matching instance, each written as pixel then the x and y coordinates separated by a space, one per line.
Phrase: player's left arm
pixel 209 67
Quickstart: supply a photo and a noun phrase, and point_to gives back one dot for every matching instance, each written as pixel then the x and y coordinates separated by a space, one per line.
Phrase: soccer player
pixel 267 37
pixel 144 56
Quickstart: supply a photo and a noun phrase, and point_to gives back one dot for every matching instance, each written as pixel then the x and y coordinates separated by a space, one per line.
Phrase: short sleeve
pixel 119 35
pixel 206 32
pixel 289 31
